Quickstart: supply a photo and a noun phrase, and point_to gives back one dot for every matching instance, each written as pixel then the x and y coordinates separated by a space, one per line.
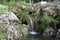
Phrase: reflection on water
pixel 38 37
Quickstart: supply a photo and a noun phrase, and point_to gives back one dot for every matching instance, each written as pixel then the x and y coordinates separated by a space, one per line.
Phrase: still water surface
pixel 38 37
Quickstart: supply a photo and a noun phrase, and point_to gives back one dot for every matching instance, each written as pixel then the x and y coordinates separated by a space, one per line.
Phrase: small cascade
pixel 31 23
pixel 43 2
pixel 30 1
pixel 31 31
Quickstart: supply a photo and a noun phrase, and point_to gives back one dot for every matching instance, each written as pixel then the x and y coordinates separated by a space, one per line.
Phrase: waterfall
pixel 43 2
pixel 31 24
pixel 30 1
pixel 32 31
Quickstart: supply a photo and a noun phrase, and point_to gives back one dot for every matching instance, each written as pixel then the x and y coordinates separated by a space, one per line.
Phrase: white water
pixel 31 25
pixel 43 2
pixel 30 1
pixel 32 32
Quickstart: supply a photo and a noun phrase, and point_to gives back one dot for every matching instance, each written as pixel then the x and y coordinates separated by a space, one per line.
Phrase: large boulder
pixel 51 10
pixel 39 5
pixel 25 29
pixel 4 18
pixel 48 32
pixel 12 32
pixel 12 16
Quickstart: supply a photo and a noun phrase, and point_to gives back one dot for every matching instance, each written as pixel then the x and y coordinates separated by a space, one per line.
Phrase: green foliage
pixel 43 19
pixel 26 0
pixel 23 3
pixel 4 26
pixel 58 18
pixel 36 1
pixel 3 10
pixel 20 29
pixel 22 15
pixel 2 36
pixel 47 17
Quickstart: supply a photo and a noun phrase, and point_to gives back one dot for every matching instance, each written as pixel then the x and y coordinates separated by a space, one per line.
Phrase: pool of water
pixel 38 37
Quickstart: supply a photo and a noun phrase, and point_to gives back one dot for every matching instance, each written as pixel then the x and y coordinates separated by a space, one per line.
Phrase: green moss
pixel 2 36
pixel 43 20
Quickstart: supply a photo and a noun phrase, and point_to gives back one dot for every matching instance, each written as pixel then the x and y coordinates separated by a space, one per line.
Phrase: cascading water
pixel 32 31
pixel 30 1
pixel 31 23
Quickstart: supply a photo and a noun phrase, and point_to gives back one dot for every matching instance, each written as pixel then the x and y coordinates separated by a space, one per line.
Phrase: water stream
pixel 32 31
pixel 30 1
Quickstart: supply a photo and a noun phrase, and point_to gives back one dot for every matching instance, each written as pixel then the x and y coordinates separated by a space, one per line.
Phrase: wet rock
pixel 25 29
pixel 24 32
pixel 48 32
pixel 58 35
